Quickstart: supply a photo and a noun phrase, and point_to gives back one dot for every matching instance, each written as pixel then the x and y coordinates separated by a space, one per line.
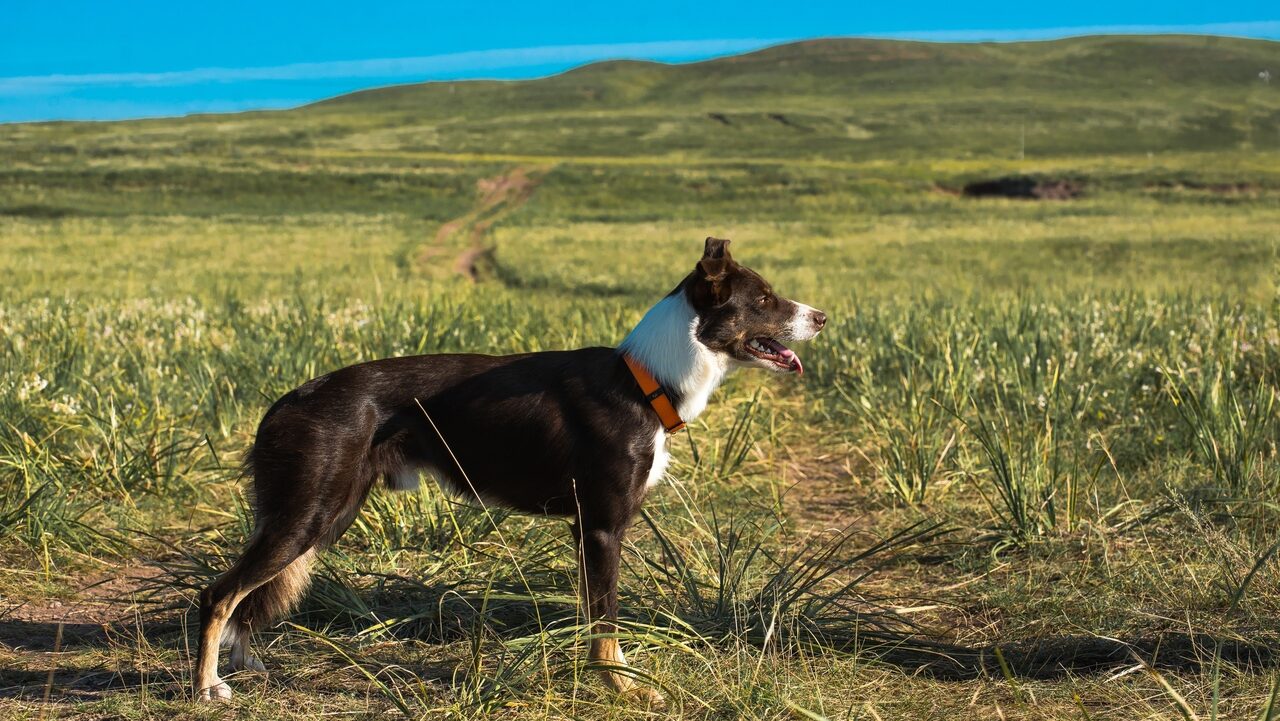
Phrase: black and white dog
pixel 578 433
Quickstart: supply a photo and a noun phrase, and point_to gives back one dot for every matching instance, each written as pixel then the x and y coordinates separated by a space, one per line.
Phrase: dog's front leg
pixel 599 553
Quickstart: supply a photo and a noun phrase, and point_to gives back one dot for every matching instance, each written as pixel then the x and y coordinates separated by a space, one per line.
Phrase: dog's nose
pixel 819 319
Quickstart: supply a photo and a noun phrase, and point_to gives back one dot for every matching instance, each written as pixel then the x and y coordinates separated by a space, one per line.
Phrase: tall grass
pixel 1231 424
pixel 143 401
pixel 915 434
pixel 1033 480
pixel 124 422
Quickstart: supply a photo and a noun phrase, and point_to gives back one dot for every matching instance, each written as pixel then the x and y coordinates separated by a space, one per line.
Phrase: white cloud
pixel 1259 29
pixel 473 62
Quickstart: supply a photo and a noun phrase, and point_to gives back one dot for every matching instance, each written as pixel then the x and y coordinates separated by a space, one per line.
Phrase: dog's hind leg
pixel 599 554
pixel 299 506
pixel 268 577
pixel 263 605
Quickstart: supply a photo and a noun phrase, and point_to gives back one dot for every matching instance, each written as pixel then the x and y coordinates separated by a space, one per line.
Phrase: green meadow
pixel 1030 471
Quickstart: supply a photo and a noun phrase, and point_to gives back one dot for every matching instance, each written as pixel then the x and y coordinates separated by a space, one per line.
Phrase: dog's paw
pixel 645 696
pixel 247 663
pixel 219 691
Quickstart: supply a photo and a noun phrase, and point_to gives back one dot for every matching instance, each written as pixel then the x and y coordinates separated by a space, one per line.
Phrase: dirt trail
pixel 39 638
pixel 499 196
pixel 101 598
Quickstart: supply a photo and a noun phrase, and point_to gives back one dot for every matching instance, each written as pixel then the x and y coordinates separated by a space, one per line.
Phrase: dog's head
pixel 740 315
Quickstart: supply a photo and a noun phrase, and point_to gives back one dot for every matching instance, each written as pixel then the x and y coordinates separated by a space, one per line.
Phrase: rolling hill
pixel 839 99
pixel 849 98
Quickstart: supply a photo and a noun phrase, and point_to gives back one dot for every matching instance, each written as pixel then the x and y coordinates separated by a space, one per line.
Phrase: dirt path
pixel 102 600
pixel 499 196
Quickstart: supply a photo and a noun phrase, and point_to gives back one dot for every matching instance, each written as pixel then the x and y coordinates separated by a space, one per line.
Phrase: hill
pixel 853 98
pixel 835 99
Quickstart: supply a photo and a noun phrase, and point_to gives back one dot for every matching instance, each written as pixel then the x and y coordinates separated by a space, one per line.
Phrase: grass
pixel 1030 470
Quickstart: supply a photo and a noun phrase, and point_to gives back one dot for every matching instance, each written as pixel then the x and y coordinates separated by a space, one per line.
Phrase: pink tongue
pixel 793 359
pixel 790 357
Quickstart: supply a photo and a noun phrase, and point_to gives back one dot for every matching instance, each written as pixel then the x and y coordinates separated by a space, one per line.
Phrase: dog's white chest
pixel 660 459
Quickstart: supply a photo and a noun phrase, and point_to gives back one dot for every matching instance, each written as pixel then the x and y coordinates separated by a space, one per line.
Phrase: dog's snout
pixel 805 322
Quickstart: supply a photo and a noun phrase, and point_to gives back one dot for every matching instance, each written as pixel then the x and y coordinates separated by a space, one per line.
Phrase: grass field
pixel 1030 471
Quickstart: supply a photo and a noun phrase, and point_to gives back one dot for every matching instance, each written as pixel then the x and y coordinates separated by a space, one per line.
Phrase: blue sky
pixel 103 60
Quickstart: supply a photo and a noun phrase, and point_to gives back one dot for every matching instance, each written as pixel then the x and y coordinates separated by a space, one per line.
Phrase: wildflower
pixel 65 406
pixel 31 385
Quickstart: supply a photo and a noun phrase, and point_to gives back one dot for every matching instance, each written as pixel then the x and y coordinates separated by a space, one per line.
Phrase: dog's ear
pixel 713 271
pixel 716 248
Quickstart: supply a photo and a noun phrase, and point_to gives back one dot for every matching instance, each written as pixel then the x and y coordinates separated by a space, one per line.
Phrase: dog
pixel 579 433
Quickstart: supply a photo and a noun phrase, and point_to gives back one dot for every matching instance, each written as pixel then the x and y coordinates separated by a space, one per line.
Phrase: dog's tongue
pixel 787 355
pixel 796 366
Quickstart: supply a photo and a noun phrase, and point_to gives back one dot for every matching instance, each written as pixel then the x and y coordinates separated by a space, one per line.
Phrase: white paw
pixel 247 663
pixel 219 691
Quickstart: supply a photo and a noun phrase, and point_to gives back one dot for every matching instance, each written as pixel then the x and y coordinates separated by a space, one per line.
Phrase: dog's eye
pixel 762 300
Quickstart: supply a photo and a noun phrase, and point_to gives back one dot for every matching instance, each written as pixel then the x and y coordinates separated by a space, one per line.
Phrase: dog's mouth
pixel 771 351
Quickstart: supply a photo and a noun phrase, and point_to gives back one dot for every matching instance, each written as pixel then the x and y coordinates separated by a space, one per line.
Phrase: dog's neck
pixel 665 342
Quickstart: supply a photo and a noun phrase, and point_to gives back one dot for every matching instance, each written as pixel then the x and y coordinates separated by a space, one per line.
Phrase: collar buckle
pixel 656 395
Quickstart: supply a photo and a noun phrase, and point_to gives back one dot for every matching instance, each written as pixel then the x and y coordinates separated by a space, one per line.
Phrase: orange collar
pixel 656 395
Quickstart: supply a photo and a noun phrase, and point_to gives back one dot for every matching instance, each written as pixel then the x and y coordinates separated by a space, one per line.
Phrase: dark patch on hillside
pixel 784 120
pixel 720 118
pixel 1025 187
pixel 38 211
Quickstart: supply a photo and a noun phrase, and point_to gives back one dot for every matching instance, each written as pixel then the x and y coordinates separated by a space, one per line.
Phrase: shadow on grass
pixel 845 622
pixel 80 685
pixel 450 613
pixel 70 663
pixel 68 667
pixel 1057 657
pixel 43 636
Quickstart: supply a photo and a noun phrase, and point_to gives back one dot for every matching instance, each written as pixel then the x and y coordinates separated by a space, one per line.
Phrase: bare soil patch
pixel 101 598
pixel 1025 187
pixel 104 605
